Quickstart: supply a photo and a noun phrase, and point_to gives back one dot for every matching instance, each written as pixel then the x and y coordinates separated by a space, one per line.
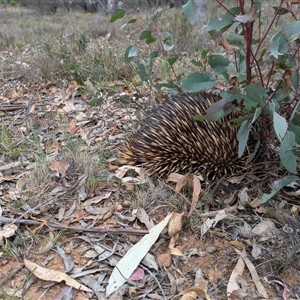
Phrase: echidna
pixel 170 140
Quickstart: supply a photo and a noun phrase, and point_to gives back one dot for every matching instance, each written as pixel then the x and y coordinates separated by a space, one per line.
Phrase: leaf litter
pixel 75 217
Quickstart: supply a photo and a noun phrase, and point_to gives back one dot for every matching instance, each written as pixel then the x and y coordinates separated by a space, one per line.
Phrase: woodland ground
pixel 70 207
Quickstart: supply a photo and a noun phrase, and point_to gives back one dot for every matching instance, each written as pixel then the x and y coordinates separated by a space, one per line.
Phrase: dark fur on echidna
pixel 170 140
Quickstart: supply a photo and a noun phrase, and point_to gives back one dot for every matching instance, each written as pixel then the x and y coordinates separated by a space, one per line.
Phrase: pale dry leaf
pixel 207 224
pixel 61 213
pixel 196 290
pixel 174 177
pixel 265 230
pixel 220 216
pixel 145 219
pixel 295 209
pixel 7 178
pixel 21 183
pixel 14 293
pixel 260 288
pixel 190 296
pixel 8 231
pixel 236 179
pixel 97 199
pixel 243 198
pixel 238 270
pixel 129 186
pixel 133 292
pixel 48 246
pixel 56 276
pixel 150 262
pixel 172 249
pixel 89 84
pixel 133 257
pixel 82 117
pixel 99 211
pixel 256 250
pixel 261 210
pixel 11 165
pixel 68 262
pixel 70 211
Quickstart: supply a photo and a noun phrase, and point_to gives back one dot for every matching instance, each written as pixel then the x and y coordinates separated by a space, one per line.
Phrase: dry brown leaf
pixel 72 86
pixel 56 276
pixel 71 127
pixel 15 94
pixel 288 82
pixel 189 180
pixel 175 224
pixel 237 244
pixel 227 46
pixel 256 202
pixel 51 147
pixel 60 166
pixel 164 260
pixel 252 13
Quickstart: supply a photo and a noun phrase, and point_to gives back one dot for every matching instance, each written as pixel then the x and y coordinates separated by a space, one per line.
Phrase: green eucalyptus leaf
pixel 278 185
pixel 295 79
pixel 189 10
pixel 280 126
pixel 255 95
pixel 145 34
pixel 95 101
pixel 287 157
pixel 130 53
pixel 279 42
pixel 218 63
pixel 172 59
pixel 118 14
pixel 198 81
pixel 220 23
pixel 242 136
pixel 131 21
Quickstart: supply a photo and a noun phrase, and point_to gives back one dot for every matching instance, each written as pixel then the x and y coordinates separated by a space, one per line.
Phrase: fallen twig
pixel 54 224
